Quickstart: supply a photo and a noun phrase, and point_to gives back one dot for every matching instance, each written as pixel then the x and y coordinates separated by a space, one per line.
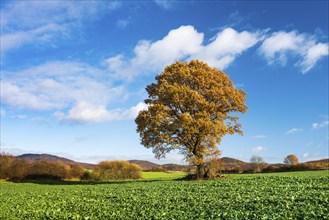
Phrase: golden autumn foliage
pixel 115 170
pixel 18 169
pixel 291 159
pixel 189 109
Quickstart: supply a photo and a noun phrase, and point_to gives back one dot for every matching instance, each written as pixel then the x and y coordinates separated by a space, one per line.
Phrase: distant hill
pixel 48 157
pixel 319 161
pixel 144 164
pixel 228 160
pixel 229 164
pixel 174 167
pixel 234 165
pixel 323 164
pixel 53 158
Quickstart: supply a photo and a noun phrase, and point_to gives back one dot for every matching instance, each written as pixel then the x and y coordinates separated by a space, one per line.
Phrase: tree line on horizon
pixel 20 169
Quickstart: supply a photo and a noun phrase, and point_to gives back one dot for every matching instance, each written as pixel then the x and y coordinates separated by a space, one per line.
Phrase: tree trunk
pixel 199 171
pixel 198 159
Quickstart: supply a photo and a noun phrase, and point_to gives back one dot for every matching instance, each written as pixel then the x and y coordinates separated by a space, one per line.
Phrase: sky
pixel 73 73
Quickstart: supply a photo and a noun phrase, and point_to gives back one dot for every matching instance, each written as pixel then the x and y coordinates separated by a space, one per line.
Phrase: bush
pixel 43 169
pixel 54 170
pixel 12 168
pixel 212 168
pixel 17 169
pixel 6 162
pixel 114 170
pixel 87 175
pixel 76 172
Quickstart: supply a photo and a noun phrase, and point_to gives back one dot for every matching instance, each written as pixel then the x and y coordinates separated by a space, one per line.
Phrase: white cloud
pixel 37 22
pixel 226 46
pixel 40 35
pixel 183 43
pixel 18 117
pixel 123 23
pixel 153 57
pixel 166 4
pixel 75 91
pixel 22 98
pixel 32 14
pixel 312 156
pixel 258 149
pixel 81 92
pixel 56 85
pixel 313 55
pixel 279 45
pixel 320 125
pixel 2 112
pixel 186 43
pixel 294 131
pixel 84 112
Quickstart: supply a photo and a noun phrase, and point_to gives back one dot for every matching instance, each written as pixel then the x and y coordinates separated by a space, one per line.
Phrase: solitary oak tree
pixel 291 159
pixel 189 109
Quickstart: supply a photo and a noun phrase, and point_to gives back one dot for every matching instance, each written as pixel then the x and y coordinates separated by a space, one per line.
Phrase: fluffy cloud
pixel 320 125
pixel 279 45
pixel 75 91
pixel 153 57
pixel 39 22
pixel 40 35
pixel 312 55
pixel 258 149
pixel 312 156
pixel 294 130
pixel 18 117
pixel 82 93
pixel 56 85
pixel 84 112
pixel 183 43
pixel 15 14
pixel 226 46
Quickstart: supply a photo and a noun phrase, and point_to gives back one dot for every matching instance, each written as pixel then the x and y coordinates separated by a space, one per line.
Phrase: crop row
pixel 270 197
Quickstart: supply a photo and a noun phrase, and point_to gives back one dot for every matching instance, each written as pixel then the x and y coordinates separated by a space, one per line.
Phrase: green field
pixel 163 175
pixel 296 195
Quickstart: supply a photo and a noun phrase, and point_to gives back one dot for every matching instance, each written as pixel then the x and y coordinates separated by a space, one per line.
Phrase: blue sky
pixel 73 74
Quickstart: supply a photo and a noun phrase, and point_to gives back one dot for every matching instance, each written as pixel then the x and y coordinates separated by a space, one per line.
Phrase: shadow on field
pixel 83 182
pixel 55 181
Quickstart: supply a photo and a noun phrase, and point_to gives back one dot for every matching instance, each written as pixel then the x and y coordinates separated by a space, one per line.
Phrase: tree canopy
pixel 189 109
pixel 258 163
pixel 291 159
